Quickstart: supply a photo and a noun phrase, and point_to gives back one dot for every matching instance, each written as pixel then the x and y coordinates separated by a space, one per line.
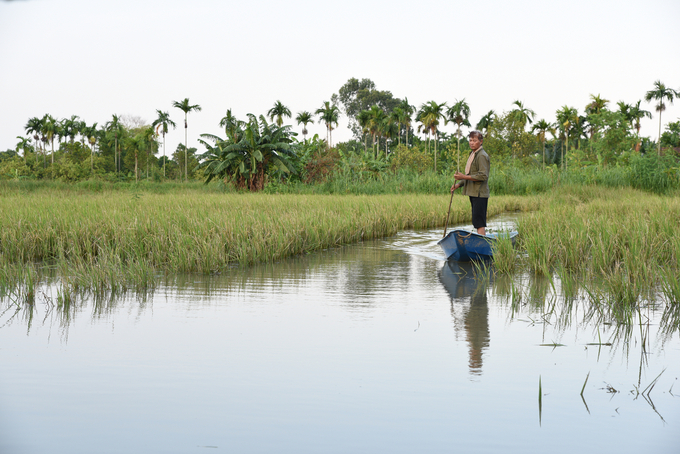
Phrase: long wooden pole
pixel 446 226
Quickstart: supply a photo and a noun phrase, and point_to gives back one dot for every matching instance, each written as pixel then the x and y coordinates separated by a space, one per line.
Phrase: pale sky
pixel 94 58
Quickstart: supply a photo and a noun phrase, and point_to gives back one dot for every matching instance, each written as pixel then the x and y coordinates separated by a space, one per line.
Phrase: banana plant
pixel 249 154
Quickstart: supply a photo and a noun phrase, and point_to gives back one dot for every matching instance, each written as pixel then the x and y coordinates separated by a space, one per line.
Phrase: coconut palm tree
pixel 429 115
pixel 186 107
pixel 163 122
pixel 521 115
pixel 329 114
pixel 660 93
pixel 486 121
pixel 304 118
pixel 542 126
pixel 279 111
pixel 458 114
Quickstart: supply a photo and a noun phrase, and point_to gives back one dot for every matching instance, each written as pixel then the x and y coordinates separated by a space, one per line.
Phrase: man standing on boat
pixel 475 181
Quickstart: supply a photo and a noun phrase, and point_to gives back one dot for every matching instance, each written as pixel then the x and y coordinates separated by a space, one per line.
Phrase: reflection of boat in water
pixel 464 246
pixel 458 278
pixel 468 307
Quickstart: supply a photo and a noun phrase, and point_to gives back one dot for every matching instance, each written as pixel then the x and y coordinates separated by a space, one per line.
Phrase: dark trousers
pixel 479 205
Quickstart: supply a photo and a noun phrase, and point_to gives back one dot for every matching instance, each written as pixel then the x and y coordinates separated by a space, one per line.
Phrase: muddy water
pixel 377 347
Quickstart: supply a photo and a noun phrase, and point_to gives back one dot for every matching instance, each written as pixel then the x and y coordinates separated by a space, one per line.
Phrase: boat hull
pixel 463 246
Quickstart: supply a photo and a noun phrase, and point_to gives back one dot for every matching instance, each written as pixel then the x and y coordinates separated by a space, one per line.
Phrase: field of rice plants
pixel 108 237
pixel 622 246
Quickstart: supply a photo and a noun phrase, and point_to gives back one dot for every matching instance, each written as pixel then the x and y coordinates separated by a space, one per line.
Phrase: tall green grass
pixel 621 246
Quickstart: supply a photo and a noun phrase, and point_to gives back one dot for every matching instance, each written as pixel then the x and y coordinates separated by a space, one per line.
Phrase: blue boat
pixel 463 246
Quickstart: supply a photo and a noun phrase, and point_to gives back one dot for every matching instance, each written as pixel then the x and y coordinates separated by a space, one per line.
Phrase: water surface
pixel 376 347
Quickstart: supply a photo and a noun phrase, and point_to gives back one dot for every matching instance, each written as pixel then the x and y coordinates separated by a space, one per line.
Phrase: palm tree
pixel 459 114
pixel 23 144
pixel 279 111
pixel 163 122
pixel 329 114
pixel 186 107
pixel 376 118
pixel 635 114
pixel 624 109
pixel 70 126
pixel 486 121
pixel 567 117
pixel 304 118
pixel 428 116
pixel 364 119
pixel 597 104
pixel 232 126
pixel 408 110
pixel 521 115
pixel 34 126
pixel 661 93
pixel 388 129
pixel 397 116
pixel 81 127
pixel 115 126
pixel 134 144
pixel 595 107
pixel 149 145
pixel 542 127
pixel 91 133
pixel 49 130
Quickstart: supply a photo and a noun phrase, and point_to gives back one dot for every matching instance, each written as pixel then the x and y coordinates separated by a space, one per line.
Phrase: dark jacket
pixel 479 170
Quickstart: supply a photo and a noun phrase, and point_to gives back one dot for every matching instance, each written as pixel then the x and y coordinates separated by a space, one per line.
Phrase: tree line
pixel 254 150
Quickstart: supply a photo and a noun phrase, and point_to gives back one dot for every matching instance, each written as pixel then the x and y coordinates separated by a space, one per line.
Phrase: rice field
pixel 103 239
pixel 619 246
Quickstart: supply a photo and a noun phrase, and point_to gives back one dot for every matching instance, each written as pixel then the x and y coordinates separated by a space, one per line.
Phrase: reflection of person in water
pixel 477 330
pixel 469 308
